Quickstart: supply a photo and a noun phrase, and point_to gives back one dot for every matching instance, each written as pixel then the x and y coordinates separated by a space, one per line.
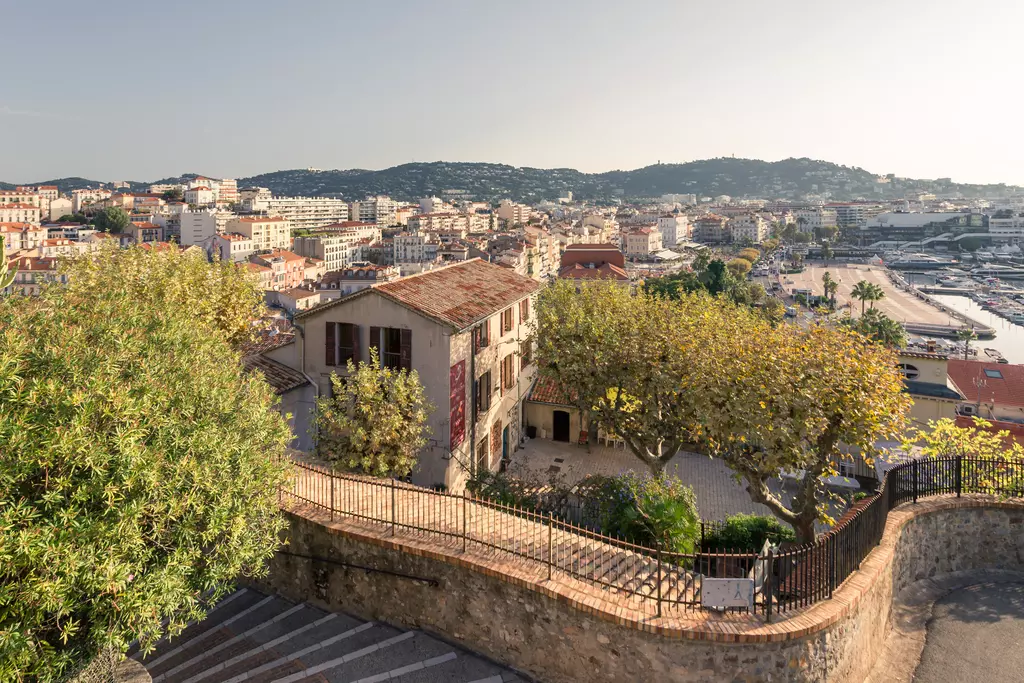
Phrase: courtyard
pixel 718 493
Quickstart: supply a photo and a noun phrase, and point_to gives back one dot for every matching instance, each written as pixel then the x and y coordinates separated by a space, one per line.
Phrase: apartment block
pixel 289 269
pixel 711 229
pixel 381 210
pixel 513 213
pixel 337 250
pixel 750 227
pixel 232 246
pixel 267 233
pixel 642 243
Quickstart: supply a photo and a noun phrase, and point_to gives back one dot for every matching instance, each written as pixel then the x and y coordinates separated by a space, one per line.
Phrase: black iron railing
pixel 648 579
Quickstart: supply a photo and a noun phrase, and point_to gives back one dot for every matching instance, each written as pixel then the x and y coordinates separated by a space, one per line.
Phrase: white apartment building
pixel 513 213
pixel 381 210
pixel 463 223
pixel 415 248
pixel 200 196
pixel 818 218
pixel 305 213
pixel 196 227
pixel 254 194
pixel 1007 230
pixel 690 199
pixel 61 206
pixel 231 247
pixel 22 236
pixel 161 188
pixel 674 228
pixel 227 191
pixel 20 207
pixel 750 227
pixel 641 243
pixel 86 196
pixel 267 233
pixel 336 250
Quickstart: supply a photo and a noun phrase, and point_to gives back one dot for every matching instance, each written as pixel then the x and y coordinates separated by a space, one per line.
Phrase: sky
pixel 143 90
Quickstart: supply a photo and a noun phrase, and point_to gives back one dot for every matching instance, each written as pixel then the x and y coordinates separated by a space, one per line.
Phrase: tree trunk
pixel 803 526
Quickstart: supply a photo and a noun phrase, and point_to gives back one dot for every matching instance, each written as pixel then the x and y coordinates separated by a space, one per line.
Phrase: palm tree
pixel 831 287
pixel 966 335
pixel 877 294
pixel 862 291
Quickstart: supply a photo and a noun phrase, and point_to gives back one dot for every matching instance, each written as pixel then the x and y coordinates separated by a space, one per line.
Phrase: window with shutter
pixel 483 394
pixel 524 310
pixel 405 350
pixel 375 342
pixel 525 355
pixel 331 350
pixel 347 336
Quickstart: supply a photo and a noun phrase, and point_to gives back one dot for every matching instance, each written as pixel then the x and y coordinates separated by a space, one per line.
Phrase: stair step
pixel 405 650
pixel 291 619
pixel 177 648
pixel 345 642
pixel 228 607
pixel 466 667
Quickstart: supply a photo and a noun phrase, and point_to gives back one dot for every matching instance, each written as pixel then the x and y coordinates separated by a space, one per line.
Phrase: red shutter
pixel 405 351
pixel 375 343
pixel 355 344
pixel 331 347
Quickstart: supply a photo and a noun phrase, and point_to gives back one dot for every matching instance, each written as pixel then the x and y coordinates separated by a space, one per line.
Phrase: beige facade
pixel 642 243
pixel 266 233
pixel 444 358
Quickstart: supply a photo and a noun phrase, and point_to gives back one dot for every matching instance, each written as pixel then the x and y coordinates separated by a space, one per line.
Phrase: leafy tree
pixel 771 245
pixel 223 294
pixel 7 274
pixel 819 388
pixel 111 219
pixel 173 195
pixel 751 255
pixel 716 277
pixel 944 438
pixel 878 327
pixel 802 238
pixel 376 420
pixel 877 294
pixel 141 469
pixel 747 534
pixel 827 253
pixel 966 335
pixel 738 267
pixel 971 244
pixel 701 261
pixel 79 218
pixel 618 355
pixel 656 511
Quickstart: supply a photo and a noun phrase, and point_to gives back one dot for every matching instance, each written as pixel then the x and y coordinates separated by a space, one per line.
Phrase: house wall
pixel 924 409
pixel 541 416
pixel 430 355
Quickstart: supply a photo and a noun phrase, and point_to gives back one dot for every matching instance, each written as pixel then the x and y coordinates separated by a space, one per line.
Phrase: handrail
pixel 799 576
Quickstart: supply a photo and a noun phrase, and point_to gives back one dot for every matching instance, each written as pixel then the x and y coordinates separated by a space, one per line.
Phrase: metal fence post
pixel 914 472
pixel 551 545
pixel 659 579
pixel 393 507
pixel 959 475
pixel 769 574
pixel 465 520
pixel 333 479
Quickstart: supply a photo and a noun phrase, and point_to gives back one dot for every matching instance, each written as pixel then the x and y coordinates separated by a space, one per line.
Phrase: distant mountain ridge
pixel 787 179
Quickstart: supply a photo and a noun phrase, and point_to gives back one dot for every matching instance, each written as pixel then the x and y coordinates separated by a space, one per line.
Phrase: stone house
pixel 464 329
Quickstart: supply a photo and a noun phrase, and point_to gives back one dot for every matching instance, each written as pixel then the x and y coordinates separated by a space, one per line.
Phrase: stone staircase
pixel 251 636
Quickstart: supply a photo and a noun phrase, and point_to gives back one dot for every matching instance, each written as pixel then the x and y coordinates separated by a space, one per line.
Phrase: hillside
pixel 790 178
pixel 786 179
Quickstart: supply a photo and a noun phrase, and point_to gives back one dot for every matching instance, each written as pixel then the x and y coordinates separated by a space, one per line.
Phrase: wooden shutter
pixel 375 344
pixel 331 345
pixel 524 310
pixel 405 351
pixel 503 378
pixel 355 344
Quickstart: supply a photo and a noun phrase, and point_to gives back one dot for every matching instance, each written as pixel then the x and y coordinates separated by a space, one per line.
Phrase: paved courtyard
pixel 718 494
pixel 897 304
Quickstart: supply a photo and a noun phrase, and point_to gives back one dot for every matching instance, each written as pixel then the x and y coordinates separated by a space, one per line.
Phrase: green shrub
pixel 747 534
pixel 652 511
pixel 503 489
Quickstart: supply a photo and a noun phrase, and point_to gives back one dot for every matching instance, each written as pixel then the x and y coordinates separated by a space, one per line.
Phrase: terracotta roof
pixel 299 293
pixel 1005 389
pixel 257 268
pixel 158 246
pixel 547 390
pixel 34 263
pixel 458 295
pixel 281 377
pixel 266 341
pixel 605 271
pixel 923 354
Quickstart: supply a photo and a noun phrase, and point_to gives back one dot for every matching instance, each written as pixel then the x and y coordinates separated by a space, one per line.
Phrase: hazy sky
pixel 144 89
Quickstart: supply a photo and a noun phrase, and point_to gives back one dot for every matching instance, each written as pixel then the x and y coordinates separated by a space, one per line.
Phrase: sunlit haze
pixel 143 90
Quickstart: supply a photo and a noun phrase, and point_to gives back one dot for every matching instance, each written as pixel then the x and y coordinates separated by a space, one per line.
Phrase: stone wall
pixel 529 629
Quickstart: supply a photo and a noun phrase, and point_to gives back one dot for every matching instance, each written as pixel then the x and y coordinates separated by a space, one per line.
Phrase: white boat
pixel 920 261
pixel 998 270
